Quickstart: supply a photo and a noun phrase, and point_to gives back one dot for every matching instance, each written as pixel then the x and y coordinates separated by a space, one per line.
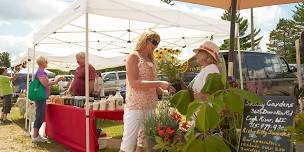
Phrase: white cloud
pixel 27 10
pixel 210 12
pixel 264 40
pixel 34 13
pixel 265 18
pixel 14 45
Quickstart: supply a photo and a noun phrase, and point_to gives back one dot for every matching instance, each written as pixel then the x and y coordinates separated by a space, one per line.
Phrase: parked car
pixel 113 81
pixel 263 72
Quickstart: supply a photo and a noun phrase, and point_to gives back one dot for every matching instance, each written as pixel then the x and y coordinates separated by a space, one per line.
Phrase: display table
pixel 66 125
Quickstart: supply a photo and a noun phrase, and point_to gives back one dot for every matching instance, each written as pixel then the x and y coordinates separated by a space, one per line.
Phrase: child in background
pixel 6 91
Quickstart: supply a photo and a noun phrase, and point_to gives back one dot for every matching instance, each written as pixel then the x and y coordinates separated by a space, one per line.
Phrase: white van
pixel 113 81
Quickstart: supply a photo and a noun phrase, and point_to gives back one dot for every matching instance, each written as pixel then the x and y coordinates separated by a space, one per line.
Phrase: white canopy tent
pixel 110 29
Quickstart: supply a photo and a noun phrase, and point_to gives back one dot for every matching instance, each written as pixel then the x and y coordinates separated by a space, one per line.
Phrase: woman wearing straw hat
pixel 207 55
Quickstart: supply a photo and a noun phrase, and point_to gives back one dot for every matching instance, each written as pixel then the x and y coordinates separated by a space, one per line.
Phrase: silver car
pixel 113 81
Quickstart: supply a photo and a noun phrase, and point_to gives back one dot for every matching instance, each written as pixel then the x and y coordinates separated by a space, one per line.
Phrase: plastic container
pixel 118 101
pixel 90 106
pixel 96 105
pixel 103 104
pixel 111 103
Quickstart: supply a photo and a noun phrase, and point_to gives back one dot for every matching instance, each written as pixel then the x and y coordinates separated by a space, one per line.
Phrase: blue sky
pixel 20 18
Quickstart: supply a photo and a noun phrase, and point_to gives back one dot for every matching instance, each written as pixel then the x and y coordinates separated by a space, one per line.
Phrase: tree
pixel 245 40
pixel 298 16
pixel 5 59
pixel 282 39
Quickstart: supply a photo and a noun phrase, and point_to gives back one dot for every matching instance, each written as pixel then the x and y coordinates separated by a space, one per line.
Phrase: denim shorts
pixel 7 104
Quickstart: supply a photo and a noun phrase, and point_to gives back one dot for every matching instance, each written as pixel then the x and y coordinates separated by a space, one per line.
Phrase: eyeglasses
pixel 154 42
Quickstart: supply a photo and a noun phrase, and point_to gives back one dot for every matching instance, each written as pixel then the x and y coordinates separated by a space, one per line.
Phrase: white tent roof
pixel 115 25
pixel 24 71
pixel 68 61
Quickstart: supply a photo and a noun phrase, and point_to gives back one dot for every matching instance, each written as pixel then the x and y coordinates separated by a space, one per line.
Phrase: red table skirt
pixel 66 125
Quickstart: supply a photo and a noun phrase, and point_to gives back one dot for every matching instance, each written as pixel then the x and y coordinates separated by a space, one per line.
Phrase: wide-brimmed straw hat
pixel 210 48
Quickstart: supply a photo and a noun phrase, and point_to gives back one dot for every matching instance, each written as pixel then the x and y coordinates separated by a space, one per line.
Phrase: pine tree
pixel 245 40
pixel 282 39
pixel 298 16
pixel 5 59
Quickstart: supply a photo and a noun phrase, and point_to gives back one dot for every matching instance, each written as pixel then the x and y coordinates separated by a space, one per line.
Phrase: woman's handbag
pixel 37 91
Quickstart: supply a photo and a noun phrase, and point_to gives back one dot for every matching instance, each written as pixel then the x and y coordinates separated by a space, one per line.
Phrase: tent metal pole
pixel 33 77
pixel 239 56
pixel 87 82
pixel 252 31
pixel 232 35
pixel 27 87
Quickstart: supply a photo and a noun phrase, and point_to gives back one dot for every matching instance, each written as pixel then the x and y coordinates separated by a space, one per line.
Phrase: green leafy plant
pixel 217 117
pixel 297 132
pixel 55 89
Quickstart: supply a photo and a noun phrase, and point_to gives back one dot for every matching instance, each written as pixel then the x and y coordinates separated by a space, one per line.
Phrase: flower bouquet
pixel 170 66
pixel 166 129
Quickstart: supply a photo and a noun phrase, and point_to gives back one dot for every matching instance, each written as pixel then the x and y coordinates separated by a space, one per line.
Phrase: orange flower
pixel 176 116
pixel 170 131
pixel 185 125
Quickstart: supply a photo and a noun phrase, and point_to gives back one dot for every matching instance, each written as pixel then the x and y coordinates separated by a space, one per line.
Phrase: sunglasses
pixel 154 42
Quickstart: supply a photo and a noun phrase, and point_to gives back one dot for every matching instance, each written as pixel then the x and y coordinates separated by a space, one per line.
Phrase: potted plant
pixel 218 117
pixel 166 129
pixel 170 66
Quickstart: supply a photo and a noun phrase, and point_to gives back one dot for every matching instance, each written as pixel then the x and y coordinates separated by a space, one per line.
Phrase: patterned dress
pixel 138 98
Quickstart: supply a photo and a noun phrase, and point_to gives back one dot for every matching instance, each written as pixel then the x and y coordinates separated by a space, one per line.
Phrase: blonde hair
pixel 143 41
pixel 40 60
pixel 80 55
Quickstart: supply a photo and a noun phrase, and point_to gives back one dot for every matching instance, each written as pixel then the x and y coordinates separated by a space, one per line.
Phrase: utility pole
pixel 252 29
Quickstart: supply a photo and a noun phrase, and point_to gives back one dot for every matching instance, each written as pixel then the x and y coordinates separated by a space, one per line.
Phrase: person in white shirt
pixel 100 83
pixel 207 55
pixel 98 86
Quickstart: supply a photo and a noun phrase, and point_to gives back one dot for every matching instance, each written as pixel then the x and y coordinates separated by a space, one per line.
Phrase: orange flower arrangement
pixel 168 129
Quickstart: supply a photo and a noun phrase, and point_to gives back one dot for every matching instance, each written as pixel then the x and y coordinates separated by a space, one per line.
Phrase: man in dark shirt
pixel 77 86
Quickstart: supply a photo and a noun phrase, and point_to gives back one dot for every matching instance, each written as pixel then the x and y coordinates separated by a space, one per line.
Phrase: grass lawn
pixel 14 138
pixel 112 128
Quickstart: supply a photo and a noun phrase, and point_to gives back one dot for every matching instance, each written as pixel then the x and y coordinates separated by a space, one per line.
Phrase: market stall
pixel 111 28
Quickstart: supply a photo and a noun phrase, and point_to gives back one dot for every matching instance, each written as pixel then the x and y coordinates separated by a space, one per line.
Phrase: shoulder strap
pixel 141 60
